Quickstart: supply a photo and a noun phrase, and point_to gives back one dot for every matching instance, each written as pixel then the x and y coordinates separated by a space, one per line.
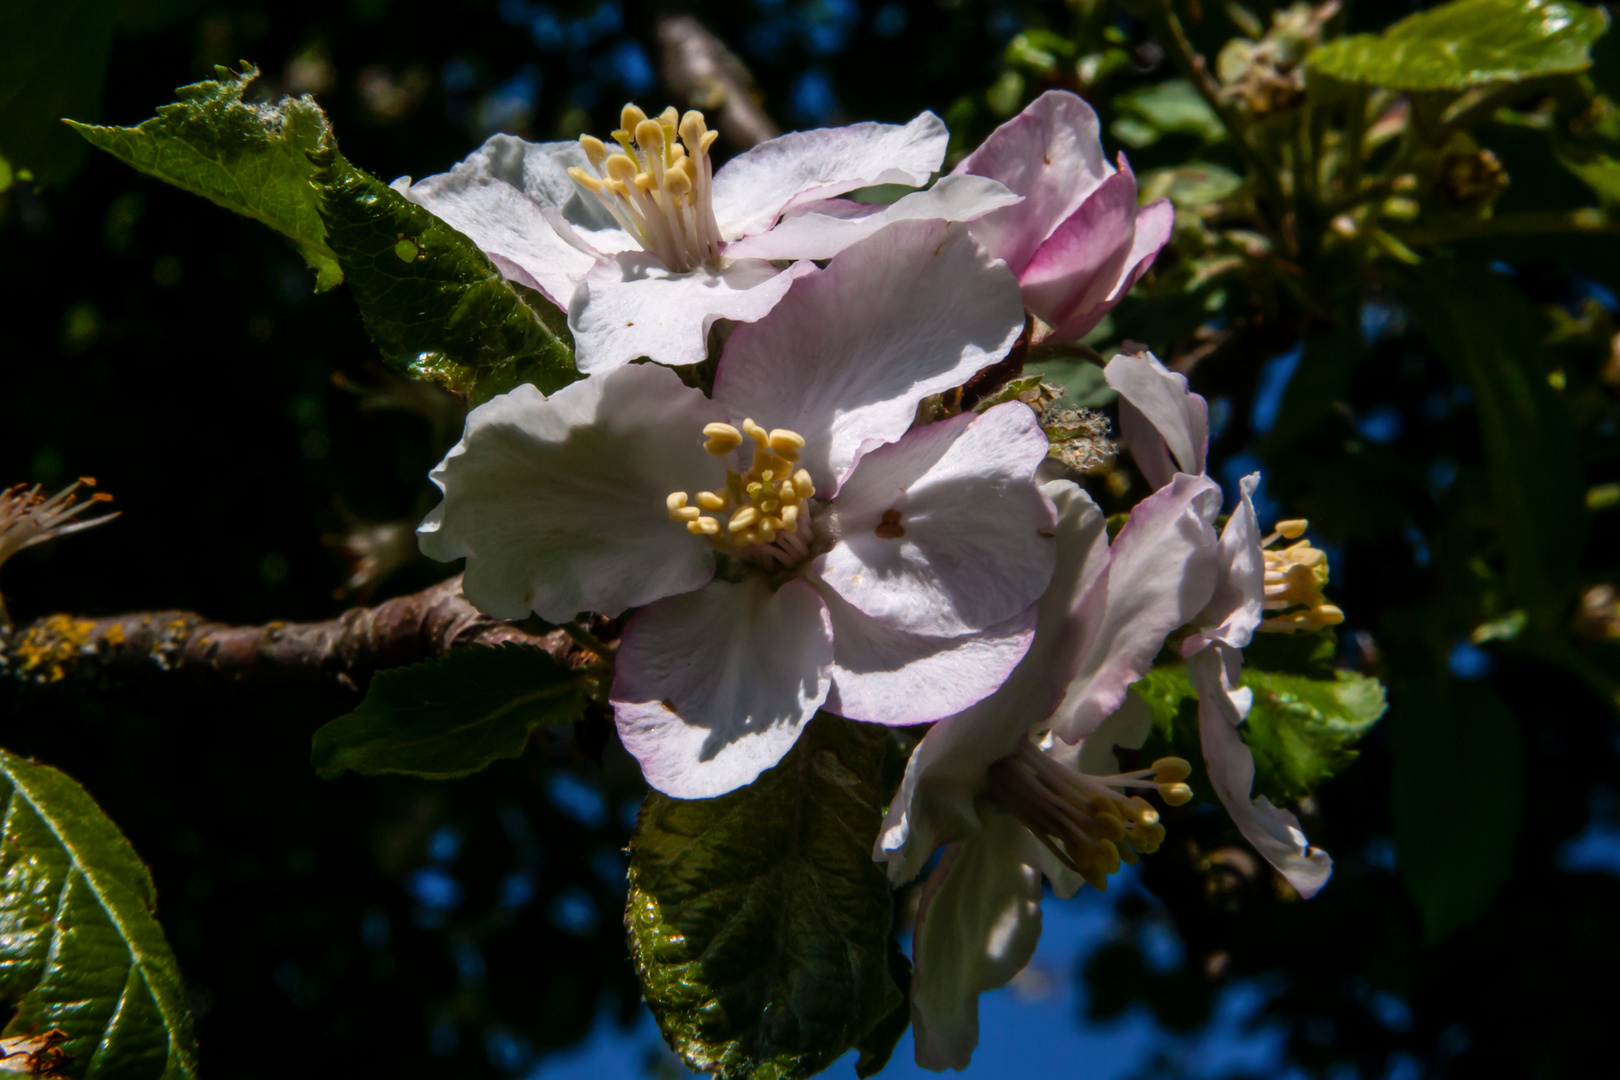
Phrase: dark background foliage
pixel 405 928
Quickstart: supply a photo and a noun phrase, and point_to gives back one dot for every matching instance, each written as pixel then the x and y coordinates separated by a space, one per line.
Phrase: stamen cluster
pixel 770 519
pixel 1295 576
pixel 658 189
pixel 29 517
pixel 1088 822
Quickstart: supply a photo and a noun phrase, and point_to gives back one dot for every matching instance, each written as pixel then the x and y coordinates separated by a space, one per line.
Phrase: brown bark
pixel 182 645
pixel 700 70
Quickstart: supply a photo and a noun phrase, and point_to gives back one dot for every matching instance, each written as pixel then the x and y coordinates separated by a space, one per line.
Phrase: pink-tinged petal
pixel 1154 223
pixel 712 688
pixel 1052 155
pixel 936 802
pixel 1160 573
pixel 1240 584
pixel 945 532
pixel 755 187
pixel 886 676
pixel 630 306
pixel 1159 417
pixel 978 922
pixel 558 504
pixel 1077 267
pixel 826 228
pixel 1274 832
pixel 510 228
pixel 846 357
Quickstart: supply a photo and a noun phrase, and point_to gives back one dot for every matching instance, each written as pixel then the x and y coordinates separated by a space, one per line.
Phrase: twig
pixel 179 644
pixel 699 68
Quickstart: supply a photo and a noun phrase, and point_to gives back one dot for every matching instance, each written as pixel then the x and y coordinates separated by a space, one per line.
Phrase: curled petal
pixel 1240 580
pixel 1159 417
pixel 713 687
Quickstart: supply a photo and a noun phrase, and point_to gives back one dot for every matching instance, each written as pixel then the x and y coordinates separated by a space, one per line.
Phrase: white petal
pixel 630 306
pixel 1128 728
pixel 886 676
pixel 1160 573
pixel 919 307
pixel 977 926
pixel 1052 155
pixel 1274 832
pixel 1159 413
pixel 558 504
pixel 756 186
pixel 712 688
pixel 978 544
pixel 1240 583
pixel 825 229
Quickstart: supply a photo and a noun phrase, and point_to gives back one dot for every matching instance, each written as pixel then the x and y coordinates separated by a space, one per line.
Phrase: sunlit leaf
pixel 1466 43
pixel 80 947
pixel 759 922
pixel 252 159
pixel 451 716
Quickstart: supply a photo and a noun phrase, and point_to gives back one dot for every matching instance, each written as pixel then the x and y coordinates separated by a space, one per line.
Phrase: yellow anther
pixel 703 526
pixel 1145 814
pixel 757 433
pixel 676 182
pixel 596 150
pixel 1292 529
pixel 649 135
pixel 670 116
pixel 790 518
pixel 767 532
pixel 712 500
pixel 631 117
pixel 786 444
pixel 708 141
pixel 685 513
pixel 723 439
pixel 802 483
pixel 743 518
pixel 646 181
pixel 675 500
pixel 787 492
pixel 585 180
pixel 1328 614
pixel 1169 770
pixel 1095 878
pixel 755 489
pixel 1110 827
pixel 693 128
pixel 1175 794
pixel 622 168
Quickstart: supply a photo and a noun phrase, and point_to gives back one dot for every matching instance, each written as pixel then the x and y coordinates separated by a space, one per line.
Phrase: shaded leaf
pixel 434 304
pixel 80 948
pixel 1598 170
pixel 1466 43
pixel 1322 378
pixel 758 921
pixel 1458 798
pixel 53 64
pixel 251 159
pixel 876 1047
pixel 1173 107
pixel 451 716
pixel 1190 186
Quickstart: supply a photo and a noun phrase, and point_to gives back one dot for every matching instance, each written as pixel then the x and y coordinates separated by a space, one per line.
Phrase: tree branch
pixel 702 71
pixel 347 650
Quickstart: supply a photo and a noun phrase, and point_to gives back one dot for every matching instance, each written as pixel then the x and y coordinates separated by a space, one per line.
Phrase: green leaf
pixel 1322 378
pixel 1486 332
pixel 1190 186
pixel 1466 43
pixel 53 63
pixel 1458 798
pixel 451 716
pixel 758 921
pixel 432 301
pixel 1598 170
pixel 80 948
pixel 251 159
pixel 1173 107
pixel 876 1047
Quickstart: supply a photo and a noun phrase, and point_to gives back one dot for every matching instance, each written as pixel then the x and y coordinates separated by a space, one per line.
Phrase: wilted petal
pixel 1274 832
pixel 631 306
pixel 846 357
pixel 945 532
pixel 1159 417
pixel 756 186
pixel 886 676
pixel 1160 573
pixel 977 926
pixel 558 504
pixel 1052 155
pixel 1240 579
pixel 712 687
pixel 824 229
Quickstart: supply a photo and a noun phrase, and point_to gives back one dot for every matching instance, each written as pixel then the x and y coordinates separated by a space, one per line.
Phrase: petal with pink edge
pixel 630 306
pixel 1154 223
pixel 1076 268
pixel 945 532
pixel 1274 832
pixel 755 187
pixel 1240 582
pixel 558 504
pixel 1159 416
pixel 713 687
pixel 1052 155
pixel 919 307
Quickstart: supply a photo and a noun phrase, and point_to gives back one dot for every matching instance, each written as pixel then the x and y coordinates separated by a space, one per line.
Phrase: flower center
pixel 768 505
pixel 1294 579
pixel 1088 822
pixel 658 190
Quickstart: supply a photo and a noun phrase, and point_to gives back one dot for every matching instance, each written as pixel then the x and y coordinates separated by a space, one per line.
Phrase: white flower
pixel 28 517
pixel 646 247
pixel 844 560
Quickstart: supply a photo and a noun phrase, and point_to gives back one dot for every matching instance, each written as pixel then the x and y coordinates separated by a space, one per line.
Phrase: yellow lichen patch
pixel 113 636
pixel 47 651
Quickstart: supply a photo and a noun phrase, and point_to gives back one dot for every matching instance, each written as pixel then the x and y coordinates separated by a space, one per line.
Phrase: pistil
pixel 659 187
pixel 1295 576
pixel 766 507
